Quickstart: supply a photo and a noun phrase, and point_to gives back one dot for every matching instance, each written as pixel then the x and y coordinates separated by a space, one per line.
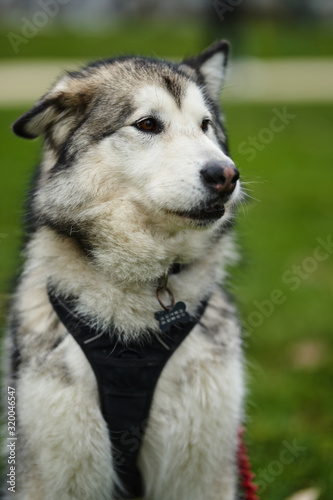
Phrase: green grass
pixel 271 38
pixel 173 38
pixel 131 37
pixel 292 178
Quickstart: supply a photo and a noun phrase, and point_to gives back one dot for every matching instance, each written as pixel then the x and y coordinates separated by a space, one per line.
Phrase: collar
pixel 176 268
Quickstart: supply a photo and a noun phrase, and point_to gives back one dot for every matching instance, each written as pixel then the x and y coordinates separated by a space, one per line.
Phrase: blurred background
pixel 278 103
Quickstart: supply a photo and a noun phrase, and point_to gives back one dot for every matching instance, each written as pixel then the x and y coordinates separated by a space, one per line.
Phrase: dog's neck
pixel 129 305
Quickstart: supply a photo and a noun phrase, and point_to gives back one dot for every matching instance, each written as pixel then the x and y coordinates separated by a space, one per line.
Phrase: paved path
pixel 281 80
pixel 297 80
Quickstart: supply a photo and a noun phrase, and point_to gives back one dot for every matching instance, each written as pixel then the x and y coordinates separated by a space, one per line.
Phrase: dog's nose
pixel 220 177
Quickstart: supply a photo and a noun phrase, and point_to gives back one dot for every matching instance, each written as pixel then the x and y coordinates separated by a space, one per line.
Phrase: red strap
pixel 246 476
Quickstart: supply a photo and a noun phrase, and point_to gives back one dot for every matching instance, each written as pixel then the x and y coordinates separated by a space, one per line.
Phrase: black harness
pixel 126 375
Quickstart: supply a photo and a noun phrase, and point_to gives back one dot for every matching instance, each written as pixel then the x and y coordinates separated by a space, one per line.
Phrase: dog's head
pixel 134 139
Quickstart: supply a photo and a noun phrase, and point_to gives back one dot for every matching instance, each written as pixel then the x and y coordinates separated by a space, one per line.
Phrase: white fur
pixel 214 72
pixel 64 431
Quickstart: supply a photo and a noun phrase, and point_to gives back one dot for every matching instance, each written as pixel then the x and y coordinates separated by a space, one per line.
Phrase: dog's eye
pixel 149 125
pixel 204 124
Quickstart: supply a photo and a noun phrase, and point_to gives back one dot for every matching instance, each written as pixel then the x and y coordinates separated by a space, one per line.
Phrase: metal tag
pixel 174 315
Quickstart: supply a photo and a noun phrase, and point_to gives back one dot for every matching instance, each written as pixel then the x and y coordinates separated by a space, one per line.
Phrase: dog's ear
pixel 211 67
pixel 66 100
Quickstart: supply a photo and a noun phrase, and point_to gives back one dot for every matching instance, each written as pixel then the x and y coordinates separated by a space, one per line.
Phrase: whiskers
pixel 246 197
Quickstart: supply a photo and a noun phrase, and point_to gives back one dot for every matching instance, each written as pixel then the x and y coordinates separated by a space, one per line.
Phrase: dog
pixel 129 223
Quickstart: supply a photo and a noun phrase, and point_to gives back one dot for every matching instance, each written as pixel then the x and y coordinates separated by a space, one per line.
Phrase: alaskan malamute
pixel 125 360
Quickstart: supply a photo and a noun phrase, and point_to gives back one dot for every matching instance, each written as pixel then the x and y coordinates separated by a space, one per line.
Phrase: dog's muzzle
pixel 220 181
pixel 220 178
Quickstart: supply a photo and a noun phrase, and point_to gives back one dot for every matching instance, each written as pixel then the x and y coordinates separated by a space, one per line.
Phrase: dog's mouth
pixel 207 214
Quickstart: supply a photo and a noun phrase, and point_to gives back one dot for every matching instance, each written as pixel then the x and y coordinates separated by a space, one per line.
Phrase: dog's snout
pixel 220 177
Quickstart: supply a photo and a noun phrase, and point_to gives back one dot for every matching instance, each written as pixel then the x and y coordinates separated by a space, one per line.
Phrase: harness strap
pixel 126 376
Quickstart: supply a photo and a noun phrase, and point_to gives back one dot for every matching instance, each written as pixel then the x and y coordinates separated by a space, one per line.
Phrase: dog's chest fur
pixel 197 402
pixel 196 407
